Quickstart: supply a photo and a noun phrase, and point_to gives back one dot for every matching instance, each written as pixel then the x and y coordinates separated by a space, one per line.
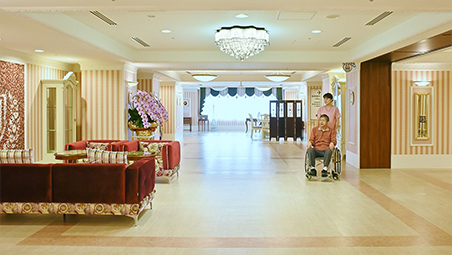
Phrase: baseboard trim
pixel 421 161
pixel 352 158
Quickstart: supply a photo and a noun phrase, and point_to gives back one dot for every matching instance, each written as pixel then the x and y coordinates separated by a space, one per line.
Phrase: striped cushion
pixel 16 156
pixel 100 156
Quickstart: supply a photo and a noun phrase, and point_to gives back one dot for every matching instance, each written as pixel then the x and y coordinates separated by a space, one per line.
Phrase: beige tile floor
pixel 241 196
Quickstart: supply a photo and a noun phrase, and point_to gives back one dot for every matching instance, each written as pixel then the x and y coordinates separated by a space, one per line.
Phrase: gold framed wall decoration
pixel 422 116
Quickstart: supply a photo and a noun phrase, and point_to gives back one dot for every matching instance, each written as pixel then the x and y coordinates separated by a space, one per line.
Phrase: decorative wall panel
pixel 352 101
pixel 403 81
pixel 12 99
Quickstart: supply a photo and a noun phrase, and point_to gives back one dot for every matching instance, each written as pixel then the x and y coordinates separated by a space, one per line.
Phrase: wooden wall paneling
pixel 375 120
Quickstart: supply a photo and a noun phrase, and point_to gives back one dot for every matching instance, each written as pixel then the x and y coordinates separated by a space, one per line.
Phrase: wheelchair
pixel 334 168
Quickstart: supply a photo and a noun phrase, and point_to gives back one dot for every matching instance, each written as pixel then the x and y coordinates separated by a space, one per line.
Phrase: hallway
pixel 235 195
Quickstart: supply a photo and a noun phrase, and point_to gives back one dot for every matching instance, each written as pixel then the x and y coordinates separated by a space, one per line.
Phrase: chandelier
pixel 241 42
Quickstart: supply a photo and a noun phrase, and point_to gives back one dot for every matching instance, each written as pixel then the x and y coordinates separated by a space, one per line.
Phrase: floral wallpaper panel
pixel 12 98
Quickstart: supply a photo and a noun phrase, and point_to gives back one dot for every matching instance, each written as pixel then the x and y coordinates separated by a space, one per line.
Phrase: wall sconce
pixel 422 83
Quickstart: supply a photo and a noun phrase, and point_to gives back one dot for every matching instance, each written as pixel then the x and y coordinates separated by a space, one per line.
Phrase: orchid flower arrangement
pixel 146 109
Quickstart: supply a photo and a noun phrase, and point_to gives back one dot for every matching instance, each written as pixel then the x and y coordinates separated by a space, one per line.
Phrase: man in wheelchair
pixel 321 144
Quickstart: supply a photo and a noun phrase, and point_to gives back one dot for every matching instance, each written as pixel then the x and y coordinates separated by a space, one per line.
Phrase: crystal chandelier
pixel 241 42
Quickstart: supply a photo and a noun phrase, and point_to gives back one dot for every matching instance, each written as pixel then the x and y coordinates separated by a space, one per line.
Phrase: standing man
pixel 321 144
pixel 330 110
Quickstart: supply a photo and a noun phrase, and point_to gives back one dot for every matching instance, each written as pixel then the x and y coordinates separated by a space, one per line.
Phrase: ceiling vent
pixel 379 18
pixel 342 41
pixel 104 18
pixel 138 40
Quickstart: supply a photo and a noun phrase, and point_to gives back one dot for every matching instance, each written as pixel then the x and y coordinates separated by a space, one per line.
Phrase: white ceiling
pixel 67 30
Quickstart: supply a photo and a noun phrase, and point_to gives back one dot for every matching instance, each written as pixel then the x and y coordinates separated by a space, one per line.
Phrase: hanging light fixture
pixel 277 77
pixel 204 77
pixel 241 42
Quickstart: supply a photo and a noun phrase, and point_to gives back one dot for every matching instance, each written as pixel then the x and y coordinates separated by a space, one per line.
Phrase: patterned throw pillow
pixel 158 164
pixel 97 146
pixel 154 148
pixel 16 156
pixel 105 157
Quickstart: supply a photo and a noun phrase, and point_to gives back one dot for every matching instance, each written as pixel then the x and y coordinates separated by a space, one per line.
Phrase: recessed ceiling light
pixel 39 50
pixel 70 59
pixel 316 31
pixel 166 31
pixel 241 16
pixel 332 16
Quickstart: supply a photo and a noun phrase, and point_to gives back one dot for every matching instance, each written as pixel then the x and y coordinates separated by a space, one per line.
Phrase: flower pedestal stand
pixel 142 133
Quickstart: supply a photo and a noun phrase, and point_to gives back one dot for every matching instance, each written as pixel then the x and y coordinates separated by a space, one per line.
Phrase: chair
pixel 254 126
pixel 265 121
pixel 203 119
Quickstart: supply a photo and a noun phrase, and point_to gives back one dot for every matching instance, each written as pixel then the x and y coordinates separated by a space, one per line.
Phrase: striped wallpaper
pixel 78 77
pixel 167 95
pixel 145 85
pixel 102 105
pixel 33 118
pixel 442 127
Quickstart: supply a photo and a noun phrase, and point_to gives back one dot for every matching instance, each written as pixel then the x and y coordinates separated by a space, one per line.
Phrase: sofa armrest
pixel 140 180
pixel 171 154
pixel 79 145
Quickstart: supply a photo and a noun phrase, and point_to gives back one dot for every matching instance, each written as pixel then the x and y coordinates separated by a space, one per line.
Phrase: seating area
pixel 64 188
pixel 167 153
pixel 106 182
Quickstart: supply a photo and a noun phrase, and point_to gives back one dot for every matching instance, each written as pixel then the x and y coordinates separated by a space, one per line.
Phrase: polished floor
pixel 236 195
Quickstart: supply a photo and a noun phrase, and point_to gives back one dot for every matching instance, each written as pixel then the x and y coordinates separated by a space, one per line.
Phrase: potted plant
pixel 146 113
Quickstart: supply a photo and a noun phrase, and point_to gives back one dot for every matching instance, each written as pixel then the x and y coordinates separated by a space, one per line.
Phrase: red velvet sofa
pixel 101 189
pixel 170 154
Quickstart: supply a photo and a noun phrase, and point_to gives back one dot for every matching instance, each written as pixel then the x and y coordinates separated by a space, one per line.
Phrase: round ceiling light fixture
pixel 277 77
pixel 241 16
pixel 332 16
pixel 204 77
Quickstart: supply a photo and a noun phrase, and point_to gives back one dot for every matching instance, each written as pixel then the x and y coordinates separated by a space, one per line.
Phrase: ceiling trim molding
pixel 130 67
pixel 102 65
pixel 23 58
pixel 421 66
